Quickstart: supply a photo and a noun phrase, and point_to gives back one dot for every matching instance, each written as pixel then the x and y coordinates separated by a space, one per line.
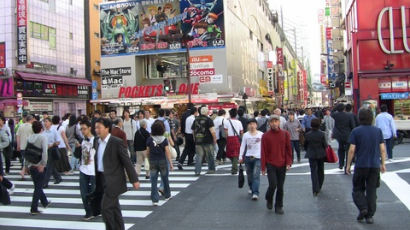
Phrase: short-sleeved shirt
pixel 237 125
pixel 24 132
pixel 201 127
pixel 367 140
pixel 156 150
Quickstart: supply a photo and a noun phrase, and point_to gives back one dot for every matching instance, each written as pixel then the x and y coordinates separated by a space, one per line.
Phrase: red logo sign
pixel 153 90
pixel 279 56
pixel 328 33
pixel 2 55
pixel 202 72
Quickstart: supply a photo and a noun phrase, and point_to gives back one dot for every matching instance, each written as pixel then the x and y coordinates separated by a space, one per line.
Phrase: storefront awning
pixel 384 74
pixel 53 79
pixel 11 102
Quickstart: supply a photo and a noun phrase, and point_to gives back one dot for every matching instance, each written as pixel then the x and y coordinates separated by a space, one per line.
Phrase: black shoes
pixel 180 166
pixel 269 204
pixel 362 215
pixel 88 217
pixel 279 211
pixel 35 212
pixel 58 181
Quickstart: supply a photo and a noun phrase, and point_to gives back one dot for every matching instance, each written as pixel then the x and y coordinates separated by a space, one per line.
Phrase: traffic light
pixel 167 86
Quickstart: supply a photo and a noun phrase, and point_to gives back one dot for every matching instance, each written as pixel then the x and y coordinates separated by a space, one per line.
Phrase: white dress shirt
pixel 188 124
pixel 102 144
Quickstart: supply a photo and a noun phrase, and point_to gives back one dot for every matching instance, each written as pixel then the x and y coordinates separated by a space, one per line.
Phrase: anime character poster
pixel 118 23
pixel 204 22
pixel 158 26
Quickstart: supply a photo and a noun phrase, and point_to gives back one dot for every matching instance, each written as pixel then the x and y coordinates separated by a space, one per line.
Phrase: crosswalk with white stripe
pixel 66 209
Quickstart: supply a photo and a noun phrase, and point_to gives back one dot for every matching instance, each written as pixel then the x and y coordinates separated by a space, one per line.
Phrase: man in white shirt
pixel 220 136
pixel 149 120
pixel 189 149
pixel 23 133
pixel 233 131
pixel 250 153
pixel 385 122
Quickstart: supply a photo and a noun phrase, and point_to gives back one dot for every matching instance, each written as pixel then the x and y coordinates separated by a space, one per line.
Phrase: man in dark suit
pixel 344 124
pixel 110 161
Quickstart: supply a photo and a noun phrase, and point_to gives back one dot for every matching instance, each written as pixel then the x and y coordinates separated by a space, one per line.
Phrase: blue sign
pixel 392 96
pixel 94 84
pixel 94 96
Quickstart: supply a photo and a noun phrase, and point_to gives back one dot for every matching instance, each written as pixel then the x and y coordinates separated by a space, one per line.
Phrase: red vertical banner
pixel 22 31
pixel 328 33
pixel 279 56
pixel 2 55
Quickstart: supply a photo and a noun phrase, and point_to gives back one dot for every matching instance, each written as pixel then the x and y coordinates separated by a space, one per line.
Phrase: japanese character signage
pixel 139 27
pixel 279 56
pixel 22 31
pixel 270 77
pixel 2 55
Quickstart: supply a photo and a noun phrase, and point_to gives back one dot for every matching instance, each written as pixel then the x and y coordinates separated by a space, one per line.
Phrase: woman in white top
pixel 251 151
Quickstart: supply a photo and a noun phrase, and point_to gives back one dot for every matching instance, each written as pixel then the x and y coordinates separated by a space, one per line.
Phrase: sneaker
pixel 11 190
pixel 250 192
pixel 269 204
pixel 147 177
pixel 255 197
pixel 169 198
pixel 88 217
pixel 155 204
pixel 211 172
pixel 362 215
pixel 180 166
pixel 161 192
pixel 369 220
pixel 35 212
pixel 279 211
pixel 58 181
pixel 197 174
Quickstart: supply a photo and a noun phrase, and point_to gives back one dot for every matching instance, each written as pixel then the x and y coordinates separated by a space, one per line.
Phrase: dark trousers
pixel 295 147
pixel 38 180
pixel 111 213
pixel 365 183
pixel 189 149
pixel 7 161
pixel 6 183
pixel 221 155
pixel 132 152
pixel 389 147
pixel 87 185
pixel 317 173
pixel 276 179
pixel 51 169
pixel 342 152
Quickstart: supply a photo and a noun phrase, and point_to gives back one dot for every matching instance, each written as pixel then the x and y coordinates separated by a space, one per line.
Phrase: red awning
pixel 53 79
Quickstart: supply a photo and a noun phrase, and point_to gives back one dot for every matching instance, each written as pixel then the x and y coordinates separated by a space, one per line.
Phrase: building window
pixel 166 66
pixel 52 38
pixel 96 35
pixel 71 36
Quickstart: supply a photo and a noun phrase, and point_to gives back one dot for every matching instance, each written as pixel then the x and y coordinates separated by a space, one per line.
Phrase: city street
pixel 215 202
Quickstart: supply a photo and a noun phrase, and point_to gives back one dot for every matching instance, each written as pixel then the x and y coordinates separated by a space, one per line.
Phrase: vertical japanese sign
pixel 270 77
pixel 279 56
pixel 22 31
pixel 2 55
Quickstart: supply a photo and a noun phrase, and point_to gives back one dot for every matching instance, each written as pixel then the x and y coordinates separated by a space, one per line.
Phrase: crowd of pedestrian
pixel 108 150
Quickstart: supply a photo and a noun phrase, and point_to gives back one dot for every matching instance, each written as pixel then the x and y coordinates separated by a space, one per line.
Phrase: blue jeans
pixel 156 167
pixel 87 186
pixel 38 180
pixel 253 171
pixel 208 151
pixel 74 162
pixel 389 147
pixel 161 185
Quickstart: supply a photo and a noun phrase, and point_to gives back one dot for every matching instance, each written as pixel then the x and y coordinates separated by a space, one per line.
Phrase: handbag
pixel 331 156
pixel 55 153
pixel 235 133
pixel 78 151
pixel 32 153
pixel 173 152
pixel 241 177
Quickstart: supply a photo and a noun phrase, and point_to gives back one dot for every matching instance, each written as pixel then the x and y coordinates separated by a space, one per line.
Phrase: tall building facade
pixel 45 56
pixel 229 51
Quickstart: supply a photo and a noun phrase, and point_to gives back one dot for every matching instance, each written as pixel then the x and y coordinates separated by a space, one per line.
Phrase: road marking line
pixel 70 211
pixel 398 186
pixel 76 184
pixel 57 224
pixel 77 192
pixel 75 177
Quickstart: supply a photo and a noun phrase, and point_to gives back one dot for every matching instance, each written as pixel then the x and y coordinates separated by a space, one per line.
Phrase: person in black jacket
pixel 344 124
pixel 315 145
pixel 349 108
pixel 243 120
pixel 140 146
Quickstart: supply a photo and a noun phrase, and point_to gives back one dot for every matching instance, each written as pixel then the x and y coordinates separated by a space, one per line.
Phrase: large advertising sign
pixel 139 27
pixel 22 32
pixel 2 55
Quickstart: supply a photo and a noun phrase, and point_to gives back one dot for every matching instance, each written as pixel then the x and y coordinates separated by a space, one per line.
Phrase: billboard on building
pixel 139 27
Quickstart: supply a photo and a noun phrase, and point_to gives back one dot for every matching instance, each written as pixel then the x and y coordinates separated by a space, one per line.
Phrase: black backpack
pixel 33 154
pixel 263 127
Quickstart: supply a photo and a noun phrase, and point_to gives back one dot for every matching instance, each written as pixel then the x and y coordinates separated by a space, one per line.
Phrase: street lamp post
pixel 185 40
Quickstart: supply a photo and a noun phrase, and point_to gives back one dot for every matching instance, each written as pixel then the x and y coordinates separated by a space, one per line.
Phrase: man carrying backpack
pixel 263 121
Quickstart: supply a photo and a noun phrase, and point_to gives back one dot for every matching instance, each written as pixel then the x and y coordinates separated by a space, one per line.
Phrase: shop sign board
pixel 393 96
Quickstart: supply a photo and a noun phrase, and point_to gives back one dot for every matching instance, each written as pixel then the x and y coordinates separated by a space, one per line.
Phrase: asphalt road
pixel 215 202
